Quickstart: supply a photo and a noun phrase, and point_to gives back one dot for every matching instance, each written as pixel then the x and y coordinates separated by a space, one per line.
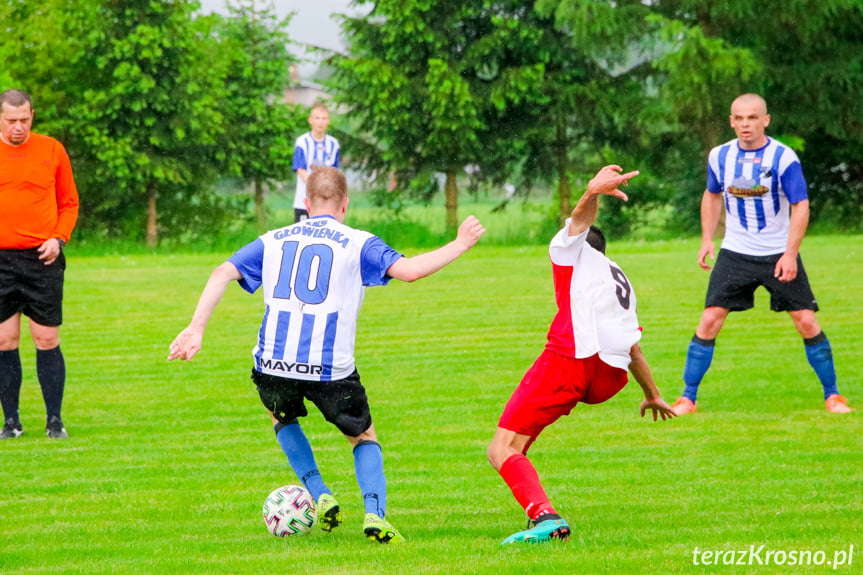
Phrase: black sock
pixel 10 383
pixel 51 369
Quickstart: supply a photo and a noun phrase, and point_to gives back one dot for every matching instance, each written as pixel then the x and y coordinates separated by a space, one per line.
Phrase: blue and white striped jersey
pixel 313 275
pixel 309 153
pixel 758 187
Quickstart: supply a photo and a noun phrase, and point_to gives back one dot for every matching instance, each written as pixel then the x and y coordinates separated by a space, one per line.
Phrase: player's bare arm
pixel 786 267
pixel 711 208
pixel 652 400
pixel 606 182
pixel 418 267
pixel 303 174
pixel 188 343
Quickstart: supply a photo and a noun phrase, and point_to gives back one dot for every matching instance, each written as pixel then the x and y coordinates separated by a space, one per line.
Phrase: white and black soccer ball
pixel 289 510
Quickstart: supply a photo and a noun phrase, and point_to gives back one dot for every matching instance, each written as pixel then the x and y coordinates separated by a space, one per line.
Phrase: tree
pixel 423 80
pixel 257 142
pixel 805 57
pixel 148 117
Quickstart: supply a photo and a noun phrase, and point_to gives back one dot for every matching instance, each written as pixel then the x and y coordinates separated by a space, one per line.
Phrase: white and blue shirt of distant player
pixel 758 188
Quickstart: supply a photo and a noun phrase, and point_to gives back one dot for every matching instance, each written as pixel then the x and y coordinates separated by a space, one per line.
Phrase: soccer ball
pixel 289 510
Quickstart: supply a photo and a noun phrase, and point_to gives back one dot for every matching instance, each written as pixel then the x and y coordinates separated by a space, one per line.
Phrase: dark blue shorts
pixel 30 287
pixel 735 277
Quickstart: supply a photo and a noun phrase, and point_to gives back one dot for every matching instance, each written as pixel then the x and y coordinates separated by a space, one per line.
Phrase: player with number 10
pixel 313 275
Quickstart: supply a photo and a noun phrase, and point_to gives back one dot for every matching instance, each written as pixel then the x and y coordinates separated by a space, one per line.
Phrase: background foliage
pixel 160 106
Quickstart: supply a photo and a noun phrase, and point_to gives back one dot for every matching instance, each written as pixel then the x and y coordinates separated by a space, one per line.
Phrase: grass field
pixel 167 465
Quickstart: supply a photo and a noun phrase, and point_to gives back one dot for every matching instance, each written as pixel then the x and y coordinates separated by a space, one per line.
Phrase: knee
pixel 807 325
pixel 497 454
pixel 46 341
pixel 8 343
pixel 711 322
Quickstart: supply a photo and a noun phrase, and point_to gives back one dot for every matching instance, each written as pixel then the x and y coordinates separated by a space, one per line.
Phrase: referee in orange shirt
pixel 38 211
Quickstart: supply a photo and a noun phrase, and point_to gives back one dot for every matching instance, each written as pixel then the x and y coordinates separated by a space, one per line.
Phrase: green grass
pixel 167 465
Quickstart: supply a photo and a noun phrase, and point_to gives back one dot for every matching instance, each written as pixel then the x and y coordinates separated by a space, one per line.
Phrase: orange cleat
pixel 683 405
pixel 837 404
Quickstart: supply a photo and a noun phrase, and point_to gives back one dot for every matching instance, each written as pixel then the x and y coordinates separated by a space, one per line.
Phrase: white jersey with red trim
pixel 596 303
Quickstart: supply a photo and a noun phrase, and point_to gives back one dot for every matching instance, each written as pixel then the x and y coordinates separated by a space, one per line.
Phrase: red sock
pixel 521 477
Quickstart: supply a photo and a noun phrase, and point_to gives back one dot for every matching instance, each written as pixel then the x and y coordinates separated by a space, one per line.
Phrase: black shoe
pixel 11 429
pixel 55 429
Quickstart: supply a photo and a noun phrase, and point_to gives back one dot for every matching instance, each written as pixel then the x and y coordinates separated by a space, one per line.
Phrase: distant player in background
pixel 757 181
pixel 592 341
pixel 312 149
pixel 38 211
pixel 314 274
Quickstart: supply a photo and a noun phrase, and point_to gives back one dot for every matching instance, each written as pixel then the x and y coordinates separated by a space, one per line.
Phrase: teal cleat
pixel 329 513
pixel 543 531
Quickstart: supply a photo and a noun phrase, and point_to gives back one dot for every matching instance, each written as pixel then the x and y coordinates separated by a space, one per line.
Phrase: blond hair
pixel 319 105
pixel 326 185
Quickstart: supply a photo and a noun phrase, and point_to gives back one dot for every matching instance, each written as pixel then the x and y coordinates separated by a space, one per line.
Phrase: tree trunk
pixel 563 191
pixel 152 216
pixel 260 212
pixel 451 200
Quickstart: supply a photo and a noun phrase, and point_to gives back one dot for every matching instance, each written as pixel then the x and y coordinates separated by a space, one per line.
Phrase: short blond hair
pixel 319 106
pixel 326 185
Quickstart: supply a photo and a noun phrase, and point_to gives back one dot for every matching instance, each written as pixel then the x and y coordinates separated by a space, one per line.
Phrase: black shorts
pixel 735 278
pixel 30 287
pixel 300 215
pixel 343 402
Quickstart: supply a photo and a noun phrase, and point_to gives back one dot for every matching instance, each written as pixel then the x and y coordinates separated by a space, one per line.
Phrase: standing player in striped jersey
pixel 592 341
pixel 314 276
pixel 759 183
pixel 312 149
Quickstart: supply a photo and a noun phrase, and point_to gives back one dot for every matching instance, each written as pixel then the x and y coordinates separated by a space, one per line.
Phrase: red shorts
pixel 553 386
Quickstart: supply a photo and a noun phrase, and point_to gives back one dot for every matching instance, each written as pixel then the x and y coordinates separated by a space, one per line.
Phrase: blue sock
pixel 369 467
pixel 300 456
pixel 820 356
pixel 698 359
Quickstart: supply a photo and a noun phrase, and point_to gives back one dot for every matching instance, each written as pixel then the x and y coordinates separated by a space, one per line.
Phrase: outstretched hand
pixel 186 345
pixel 469 232
pixel 659 407
pixel 608 181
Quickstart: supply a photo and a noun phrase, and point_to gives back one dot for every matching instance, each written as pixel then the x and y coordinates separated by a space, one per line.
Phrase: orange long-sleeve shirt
pixel 38 197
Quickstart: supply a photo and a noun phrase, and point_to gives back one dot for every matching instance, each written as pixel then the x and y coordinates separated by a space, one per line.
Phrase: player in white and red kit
pixel 313 276
pixel 592 341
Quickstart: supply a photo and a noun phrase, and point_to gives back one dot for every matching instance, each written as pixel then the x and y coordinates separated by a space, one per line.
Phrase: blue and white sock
pixel 820 356
pixel 369 467
pixel 698 359
pixel 300 456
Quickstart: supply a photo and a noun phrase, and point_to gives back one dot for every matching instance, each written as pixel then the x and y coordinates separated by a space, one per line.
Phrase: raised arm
pixel 606 182
pixel 189 341
pixel 418 267
pixel 641 371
